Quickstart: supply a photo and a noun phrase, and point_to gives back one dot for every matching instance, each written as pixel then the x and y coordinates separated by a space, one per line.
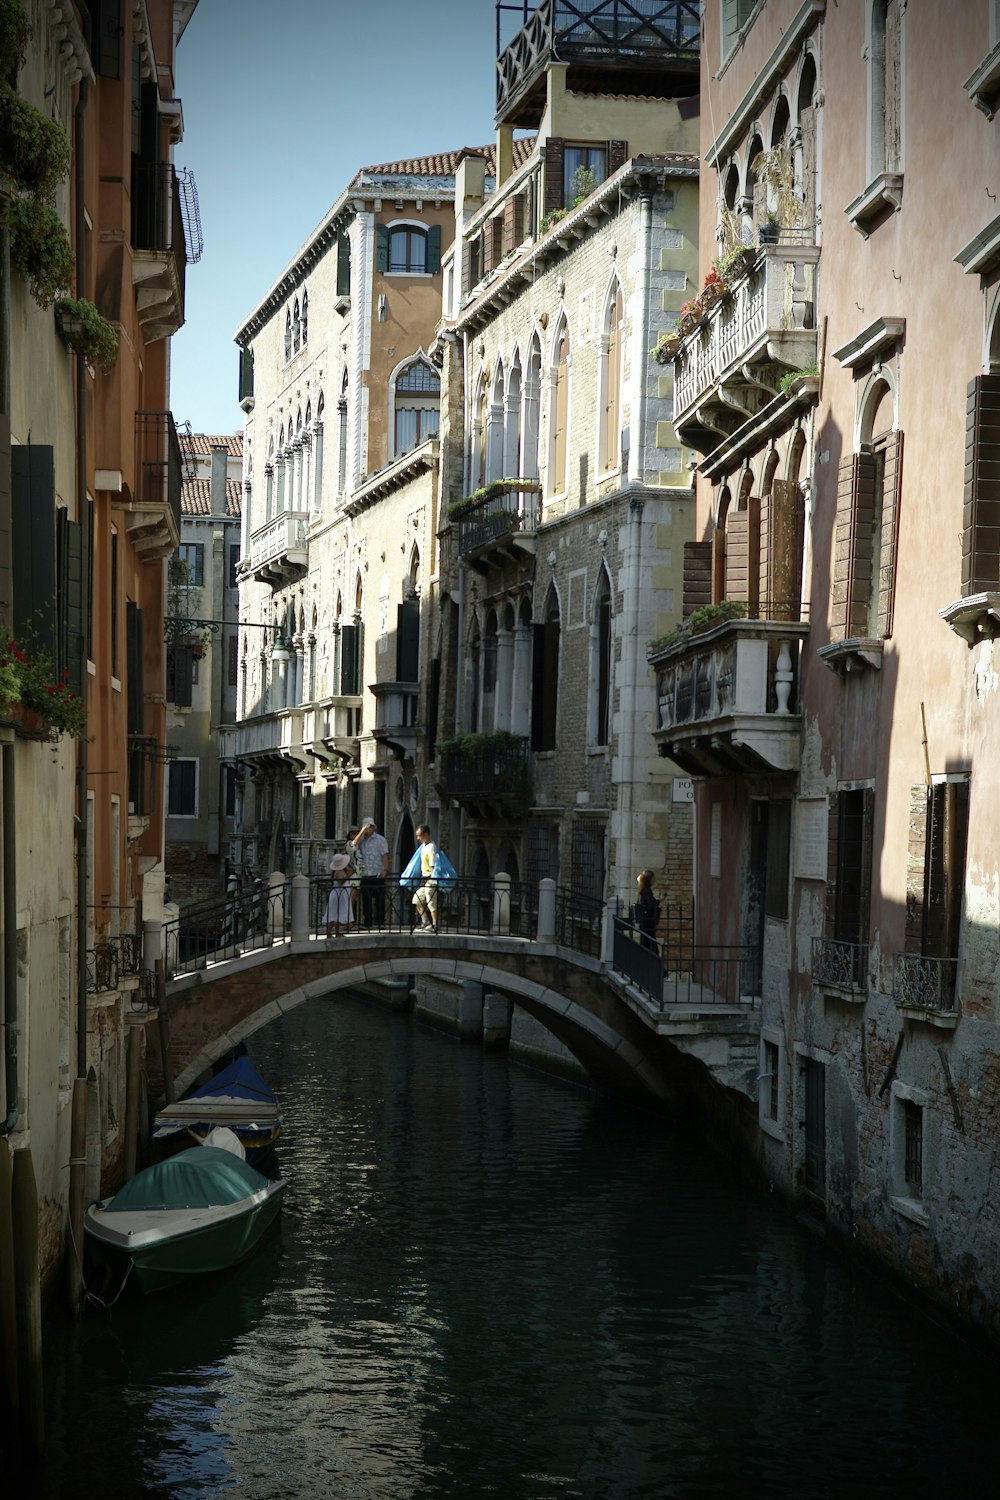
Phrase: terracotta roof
pixel 196 497
pixel 199 442
pixel 446 163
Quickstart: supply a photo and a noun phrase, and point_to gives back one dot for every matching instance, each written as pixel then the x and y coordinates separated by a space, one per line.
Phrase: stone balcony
pixel 396 707
pixel 731 366
pixel 270 738
pixel 502 527
pixel 331 730
pixel 728 698
pixel 279 551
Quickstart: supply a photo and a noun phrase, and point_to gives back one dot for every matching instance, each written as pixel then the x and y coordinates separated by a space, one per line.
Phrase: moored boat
pixel 237 1097
pixel 200 1211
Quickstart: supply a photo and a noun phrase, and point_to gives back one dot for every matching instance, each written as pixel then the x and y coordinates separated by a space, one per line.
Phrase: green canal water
pixel 489 1283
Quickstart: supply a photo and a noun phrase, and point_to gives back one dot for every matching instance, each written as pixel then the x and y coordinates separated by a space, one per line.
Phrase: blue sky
pixel 282 105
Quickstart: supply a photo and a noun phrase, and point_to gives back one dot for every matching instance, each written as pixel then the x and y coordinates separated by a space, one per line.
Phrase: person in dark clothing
pixel 646 911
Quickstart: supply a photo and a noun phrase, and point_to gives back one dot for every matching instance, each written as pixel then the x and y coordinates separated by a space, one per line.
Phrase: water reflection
pixel 488 1283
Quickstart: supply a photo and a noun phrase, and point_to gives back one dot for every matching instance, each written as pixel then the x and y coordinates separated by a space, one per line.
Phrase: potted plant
pixel 40 247
pixel 667 347
pixel 715 288
pixel 582 183
pixel 86 331
pixel 775 171
pixel 37 699
pixel 689 317
pixel 34 149
pixel 15 32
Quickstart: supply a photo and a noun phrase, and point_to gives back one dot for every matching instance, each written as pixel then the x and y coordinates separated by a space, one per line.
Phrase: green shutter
pixel 382 249
pixel 434 249
pixel 344 264
pixel 348 660
pixel 408 641
pixel 246 374
pixel 33 544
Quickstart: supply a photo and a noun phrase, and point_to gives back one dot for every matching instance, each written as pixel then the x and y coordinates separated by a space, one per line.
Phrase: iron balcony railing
pixel 157 214
pixel 488 772
pixel 158 462
pixel 920 982
pixel 839 963
pixel 492 521
pixel 113 959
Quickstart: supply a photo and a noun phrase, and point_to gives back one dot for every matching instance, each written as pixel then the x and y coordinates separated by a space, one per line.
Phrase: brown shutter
pixel 487 250
pixel 738 556
pixel 697 576
pixel 832 848
pixel 513 222
pixel 852 548
pixel 466 266
pixel 5 506
pixel 781 552
pixel 555 151
pixel 889 540
pixel 865 899
pixel 617 155
pixel 496 236
pixel 981 510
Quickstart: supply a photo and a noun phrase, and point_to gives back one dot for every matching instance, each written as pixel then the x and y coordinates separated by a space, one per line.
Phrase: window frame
pixel 184 761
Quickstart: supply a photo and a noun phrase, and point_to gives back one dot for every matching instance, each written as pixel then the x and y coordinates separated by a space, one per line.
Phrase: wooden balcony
pixel 728 698
pixel 731 367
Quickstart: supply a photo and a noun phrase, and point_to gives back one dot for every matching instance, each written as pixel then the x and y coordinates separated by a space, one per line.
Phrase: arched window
pixel 475 677
pixel 417 406
pixel 807 135
pixel 512 421
pixel 545 676
pixel 296 328
pixel 305 319
pixel 342 437
pixel 885 58
pixel 494 427
pixel 288 335
pixel 490 672
pixel 609 437
pixel 866 534
pixel 601 662
pixel 529 421
pixel 407 249
pixel 559 412
pixel 478 463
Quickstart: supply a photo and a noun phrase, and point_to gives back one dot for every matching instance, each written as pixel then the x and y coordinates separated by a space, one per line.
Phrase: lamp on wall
pixel 279 651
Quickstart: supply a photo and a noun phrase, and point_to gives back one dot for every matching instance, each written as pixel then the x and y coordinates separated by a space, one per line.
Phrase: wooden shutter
pixel 513 221
pixel 944 867
pixel 6 613
pixel 555 151
pixel 246 374
pixel 33 544
pixel 697 576
pixel 180 673
pixel 544 685
pixel 832 852
pixel 617 155
pixel 344 263
pixel 135 695
pixel 737 555
pixel 852 548
pixel 348 649
pixel 892 476
pixel 408 641
pixel 233 661
pixel 381 248
pixel 434 249
pixel 981 509
pixel 781 552
pixel 69 605
pixel 433 706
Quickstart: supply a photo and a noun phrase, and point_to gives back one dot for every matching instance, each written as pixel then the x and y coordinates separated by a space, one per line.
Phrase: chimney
pixel 220 470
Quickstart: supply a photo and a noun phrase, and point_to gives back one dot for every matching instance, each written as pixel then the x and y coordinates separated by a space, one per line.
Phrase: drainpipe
pixel 8 1000
pixel 78 1130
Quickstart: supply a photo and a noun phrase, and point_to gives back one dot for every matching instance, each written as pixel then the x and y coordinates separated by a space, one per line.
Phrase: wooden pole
pixel 77 1192
pixel 132 1097
pixel 163 1022
pixel 28 1303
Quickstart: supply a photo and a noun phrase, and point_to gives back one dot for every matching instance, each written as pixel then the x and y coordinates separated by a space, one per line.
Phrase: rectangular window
pixel 330 811
pixel 913 1148
pixel 980 517
pixel 114 603
pixel 234 562
pixel 191 560
pixel 230 806
pixel 849 891
pixel 769 1094
pixel 779 825
pixel 233 661
pixel 182 789
pixel 735 14
pixel 180 675
pixel 587 859
pixel 543 851
pixel 584 169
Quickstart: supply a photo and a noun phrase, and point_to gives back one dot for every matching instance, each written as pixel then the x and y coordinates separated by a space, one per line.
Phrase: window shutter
pixel 434 249
pixel 135 695
pixel 33 544
pixel 5 523
pixel 344 262
pixel 544 685
pixel 233 672
pixel 348 643
pixel 737 555
pixel 852 548
pixel 381 248
pixel 867 844
pixel 180 671
pixel 981 510
pixel 488 247
pixel 555 152
pixel 408 641
pixel 781 552
pixel 832 865
pixel 246 374
pixel 617 155
pixel 433 706
pixel 892 476
pixel 70 601
pixel 697 576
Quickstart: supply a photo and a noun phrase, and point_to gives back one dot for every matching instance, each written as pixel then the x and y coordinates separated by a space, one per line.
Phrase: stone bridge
pixel 611 1028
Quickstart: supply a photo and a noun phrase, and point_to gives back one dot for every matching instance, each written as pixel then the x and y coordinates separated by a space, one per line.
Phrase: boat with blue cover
pixel 203 1210
pixel 237 1097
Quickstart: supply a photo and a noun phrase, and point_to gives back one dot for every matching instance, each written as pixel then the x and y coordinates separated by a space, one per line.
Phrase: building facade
pixel 90 494
pixel 202 644
pixel 838 712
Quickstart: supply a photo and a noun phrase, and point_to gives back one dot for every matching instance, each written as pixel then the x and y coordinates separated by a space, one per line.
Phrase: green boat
pixel 199 1211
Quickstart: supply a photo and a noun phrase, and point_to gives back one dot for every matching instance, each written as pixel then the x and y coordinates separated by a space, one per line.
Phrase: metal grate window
pixel 543 851
pixel 913 1149
pixel 770 1080
pixel 587 859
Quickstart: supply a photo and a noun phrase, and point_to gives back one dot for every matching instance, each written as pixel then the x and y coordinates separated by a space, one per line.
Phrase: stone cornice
pixel 393 477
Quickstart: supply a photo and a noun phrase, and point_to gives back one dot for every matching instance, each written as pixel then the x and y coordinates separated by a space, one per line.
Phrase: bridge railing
pixel 696 975
pixel 489 907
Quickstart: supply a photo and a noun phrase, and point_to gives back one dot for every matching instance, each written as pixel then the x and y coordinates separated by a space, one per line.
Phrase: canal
pixel 487 1282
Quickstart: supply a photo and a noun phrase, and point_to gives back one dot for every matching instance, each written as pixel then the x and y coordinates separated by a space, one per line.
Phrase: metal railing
pixel 504 770
pixel 579 921
pixel 158 462
pixel 700 976
pixel 217 930
pixel 839 963
pixel 113 959
pixel 925 983
pixel 512 509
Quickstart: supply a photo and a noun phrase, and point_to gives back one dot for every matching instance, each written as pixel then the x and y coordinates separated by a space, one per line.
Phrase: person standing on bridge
pixel 372 861
pixel 425 896
pixel 341 902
